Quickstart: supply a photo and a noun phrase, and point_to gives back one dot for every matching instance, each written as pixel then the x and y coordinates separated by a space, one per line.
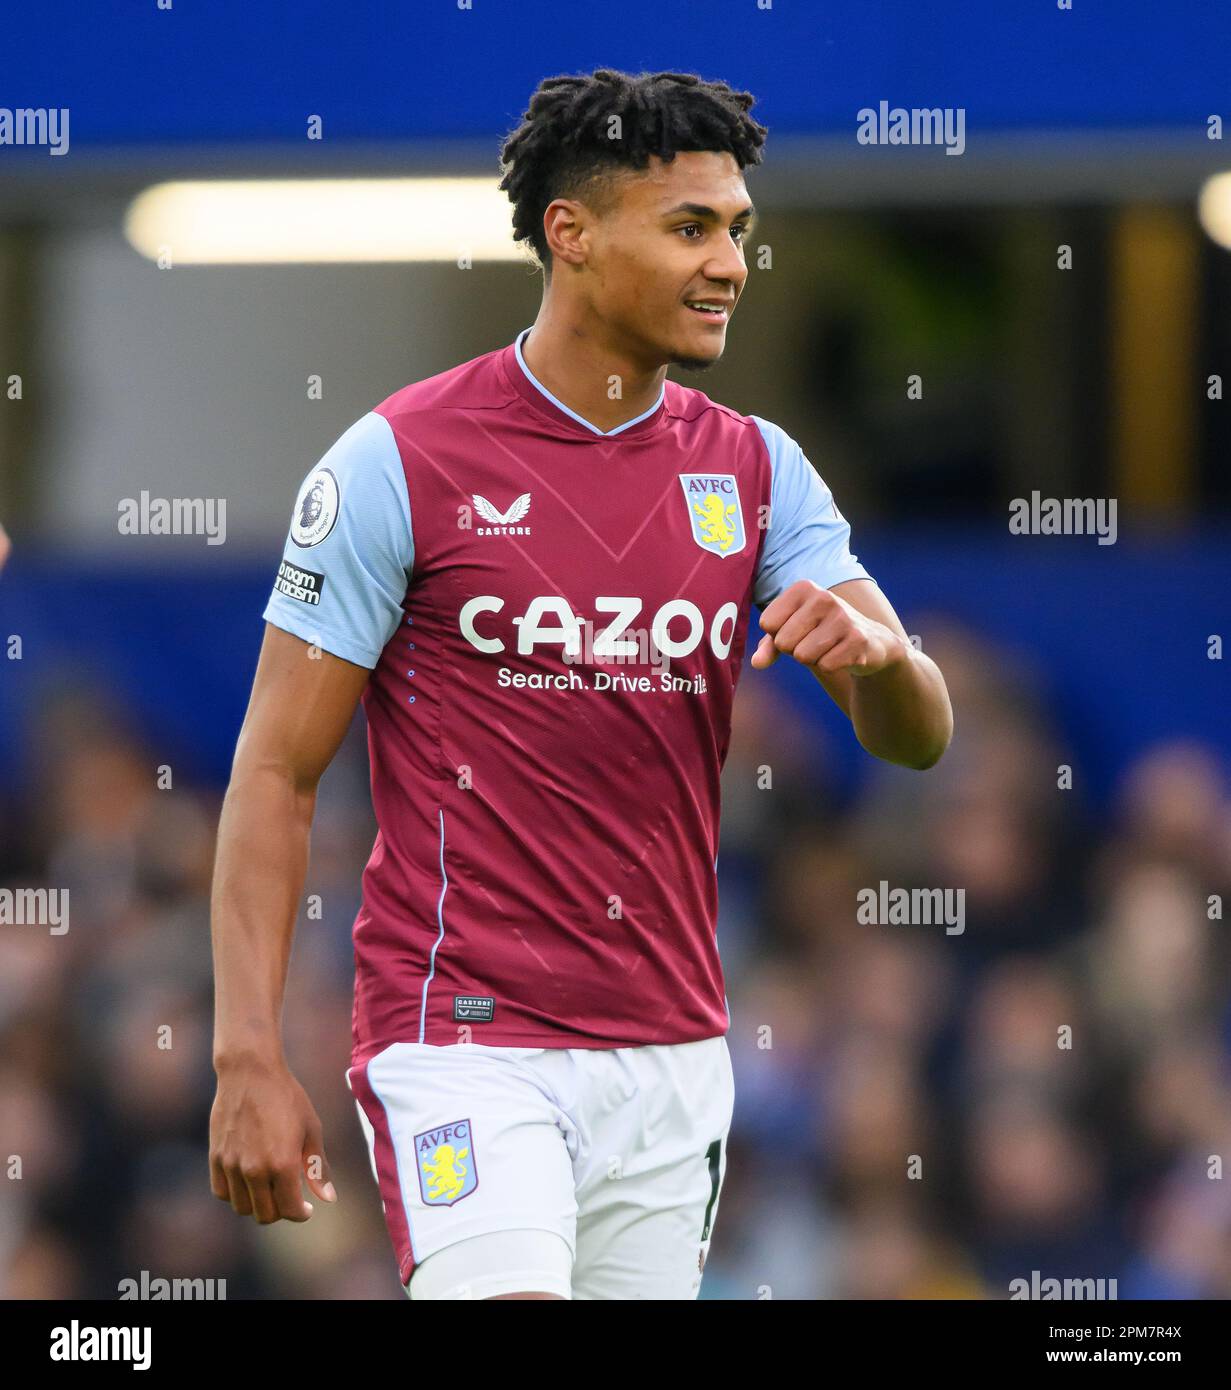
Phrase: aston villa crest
pixel 444 1159
pixel 714 512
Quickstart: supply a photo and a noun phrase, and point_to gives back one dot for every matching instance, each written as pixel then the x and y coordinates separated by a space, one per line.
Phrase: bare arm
pixel 263 1128
pixel 855 645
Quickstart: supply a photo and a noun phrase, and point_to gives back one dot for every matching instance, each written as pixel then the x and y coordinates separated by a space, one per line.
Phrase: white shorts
pixel 587 1173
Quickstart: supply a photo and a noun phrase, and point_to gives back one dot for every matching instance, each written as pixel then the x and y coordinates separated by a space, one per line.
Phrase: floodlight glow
pixel 1214 209
pixel 287 221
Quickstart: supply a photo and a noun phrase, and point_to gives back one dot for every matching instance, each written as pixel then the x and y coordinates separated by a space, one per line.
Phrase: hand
pixel 263 1134
pixel 823 631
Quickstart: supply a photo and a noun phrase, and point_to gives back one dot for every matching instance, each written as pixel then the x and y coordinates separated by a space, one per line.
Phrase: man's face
pixel 674 236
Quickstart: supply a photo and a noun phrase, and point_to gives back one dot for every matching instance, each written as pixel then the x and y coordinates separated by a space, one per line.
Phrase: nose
pixel 728 267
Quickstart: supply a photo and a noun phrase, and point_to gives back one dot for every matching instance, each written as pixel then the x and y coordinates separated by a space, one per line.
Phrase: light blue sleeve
pixel 807 537
pixel 350 551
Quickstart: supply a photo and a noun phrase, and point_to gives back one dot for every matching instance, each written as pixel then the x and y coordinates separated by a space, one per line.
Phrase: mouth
pixel 715 311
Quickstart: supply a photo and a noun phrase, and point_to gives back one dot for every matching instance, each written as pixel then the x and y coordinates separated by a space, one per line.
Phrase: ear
pixel 564 228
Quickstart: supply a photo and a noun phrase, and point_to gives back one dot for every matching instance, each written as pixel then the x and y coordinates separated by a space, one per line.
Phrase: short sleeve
pixel 350 551
pixel 808 537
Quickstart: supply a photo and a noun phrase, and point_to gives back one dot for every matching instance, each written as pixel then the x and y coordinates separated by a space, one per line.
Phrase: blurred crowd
pixel 919 1113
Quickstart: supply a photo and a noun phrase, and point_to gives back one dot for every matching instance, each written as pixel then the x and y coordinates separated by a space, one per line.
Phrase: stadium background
pixel 1086 907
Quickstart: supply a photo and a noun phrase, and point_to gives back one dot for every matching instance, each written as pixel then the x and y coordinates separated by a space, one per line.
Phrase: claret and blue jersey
pixel 555 619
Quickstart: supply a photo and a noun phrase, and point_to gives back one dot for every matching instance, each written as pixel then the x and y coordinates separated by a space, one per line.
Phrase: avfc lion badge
pixel 714 511
pixel 444 1158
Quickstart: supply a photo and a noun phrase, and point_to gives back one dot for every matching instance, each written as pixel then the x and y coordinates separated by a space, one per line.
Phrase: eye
pixel 740 227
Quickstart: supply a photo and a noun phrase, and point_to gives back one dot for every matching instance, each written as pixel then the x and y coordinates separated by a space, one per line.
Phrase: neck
pixel 574 357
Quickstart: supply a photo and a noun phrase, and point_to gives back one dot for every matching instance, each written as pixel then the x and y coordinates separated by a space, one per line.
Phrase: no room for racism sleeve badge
pixel 445 1160
pixel 714 512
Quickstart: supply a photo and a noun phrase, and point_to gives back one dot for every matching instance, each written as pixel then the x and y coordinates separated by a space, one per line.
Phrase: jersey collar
pixel 533 390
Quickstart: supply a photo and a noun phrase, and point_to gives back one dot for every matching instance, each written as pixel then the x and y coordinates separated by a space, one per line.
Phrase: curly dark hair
pixel 565 146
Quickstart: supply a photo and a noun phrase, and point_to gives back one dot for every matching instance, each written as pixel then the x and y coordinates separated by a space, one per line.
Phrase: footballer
pixel 536 571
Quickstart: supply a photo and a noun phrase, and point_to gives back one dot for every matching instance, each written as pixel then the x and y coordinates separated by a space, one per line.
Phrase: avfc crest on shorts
pixel 444 1158
pixel 714 512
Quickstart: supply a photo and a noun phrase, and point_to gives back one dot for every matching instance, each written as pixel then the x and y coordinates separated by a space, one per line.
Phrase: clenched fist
pixel 821 630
